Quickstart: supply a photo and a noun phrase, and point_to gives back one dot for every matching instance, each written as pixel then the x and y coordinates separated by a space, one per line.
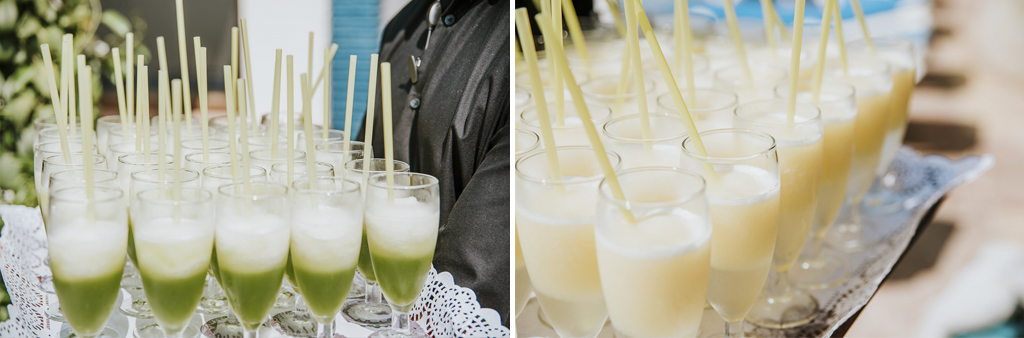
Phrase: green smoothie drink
pixel 326 231
pixel 252 239
pixel 87 246
pixel 401 230
pixel 365 265
pixel 174 241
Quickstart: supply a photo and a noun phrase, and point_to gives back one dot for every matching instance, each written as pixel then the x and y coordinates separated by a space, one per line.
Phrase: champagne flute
pixel 174 231
pixel 744 199
pixel 401 230
pixel 758 87
pixel 555 222
pixel 370 312
pixel 87 245
pixel 252 240
pixel 800 148
pixel 661 150
pixel 334 152
pixel 318 137
pixel 818 269
pixel 326 227
pixel 712 109
pixel 526 142
pixel 279 171
pixel 55 163
pixel 654 271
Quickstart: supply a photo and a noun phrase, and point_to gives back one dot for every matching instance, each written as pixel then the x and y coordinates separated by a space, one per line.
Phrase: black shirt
pixel 454 124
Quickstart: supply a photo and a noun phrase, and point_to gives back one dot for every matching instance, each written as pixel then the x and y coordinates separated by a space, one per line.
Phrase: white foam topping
pixel 252 244
pixel 743 185
pixel 407 228
pixel 659 236
pixel 327 240
pixel 82 249
pixel 173 249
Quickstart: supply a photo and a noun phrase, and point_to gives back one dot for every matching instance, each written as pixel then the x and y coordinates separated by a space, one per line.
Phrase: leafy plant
pixel 24 90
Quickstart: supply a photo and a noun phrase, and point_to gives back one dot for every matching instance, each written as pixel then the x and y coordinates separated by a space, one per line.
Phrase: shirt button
pixel 449 19
pixel 414 103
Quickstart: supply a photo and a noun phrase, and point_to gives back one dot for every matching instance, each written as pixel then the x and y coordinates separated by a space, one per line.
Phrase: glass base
pixel 285 299
pixel 212 306
pixel 136 306
pixel 296 323
pixel 828 272
pixel 373 317
pixel 796 308
pixel 229 327
pixel 66 332
pixel 416 332
pixel 53 312
pixel 148 328
pixel 46 285
pixel 358 290
pixel 887 199
pixel 852 237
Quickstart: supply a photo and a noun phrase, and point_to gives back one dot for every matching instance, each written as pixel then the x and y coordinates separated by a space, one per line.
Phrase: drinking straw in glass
pixel 87 246
pixel 401 231
pixel 55 163
pixel 173 233
pixel 555 223
pixel 326 228
pixel 799 143
pixel 654 273
pixel 744 199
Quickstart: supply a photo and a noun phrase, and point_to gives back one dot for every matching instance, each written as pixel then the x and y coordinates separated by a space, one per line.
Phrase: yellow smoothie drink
pixel 572 132
pixel 838 115
pixel 745 213
pixel 523 285
pixel 555 224
pixel 800 148
pixel 655 272
pixel 899 54
pixel 624 138
pixel 710 109
pixel 605 91
pixel 744 199
pixel 873 83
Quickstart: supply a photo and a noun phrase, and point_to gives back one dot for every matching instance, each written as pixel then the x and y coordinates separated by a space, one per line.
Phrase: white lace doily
pixel 443 310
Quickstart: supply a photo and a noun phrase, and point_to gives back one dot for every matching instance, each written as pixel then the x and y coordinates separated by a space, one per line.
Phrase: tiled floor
pixel 992 101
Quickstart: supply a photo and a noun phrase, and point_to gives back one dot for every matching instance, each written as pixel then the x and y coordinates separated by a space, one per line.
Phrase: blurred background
pixel 100 25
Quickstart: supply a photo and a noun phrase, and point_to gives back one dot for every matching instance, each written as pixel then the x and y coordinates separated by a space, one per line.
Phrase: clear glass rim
pixel 741 113
pixel 610 135
pixel 204 196
pixel 326 146
pixel 350 165
pixel 138 176
pixel 669 103
pixel 277 167
pixel 264 154
pixel 131 128
pixel 613 157
pixel 432 181
pixel 782 90
pixel 519 133
pixel 208 171
pixel 58 159
pixel 585 87
pixel 39 147
pixel 109 119
pixel 60 195
pixel 56 175
pixel 725 159
pixel 884 41
pixel 331 134
pixel 52 131
pixel 740 78
pixel 606 191
pixel 190 143
pixel 125 158
pixel 227 189
pixel 348 186
pixel 189 157
pixel 597 119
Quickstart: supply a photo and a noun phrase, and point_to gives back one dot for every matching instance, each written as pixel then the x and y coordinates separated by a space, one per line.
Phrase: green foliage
pixel 24 89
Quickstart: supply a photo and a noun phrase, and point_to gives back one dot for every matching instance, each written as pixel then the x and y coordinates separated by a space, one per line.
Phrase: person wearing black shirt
pixel 452 121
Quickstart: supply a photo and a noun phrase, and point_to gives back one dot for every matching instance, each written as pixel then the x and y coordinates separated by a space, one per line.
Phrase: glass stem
pixel 400 322
pixel 300 304
pixel 732 330
pixel 814 249
pixel 251 333
pixel 778 283
pixel 373 295
pixel 326 330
